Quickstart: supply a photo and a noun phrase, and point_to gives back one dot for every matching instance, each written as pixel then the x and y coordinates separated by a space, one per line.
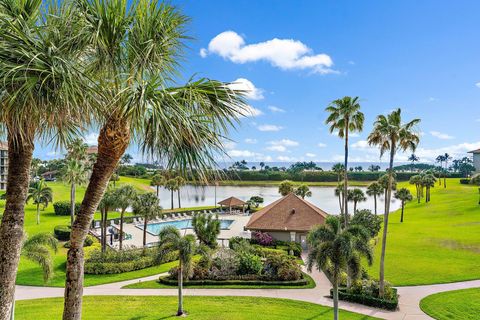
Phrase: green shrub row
pixel 368 300
pixel 118 267
pixel 62 232
pixel 173 282
pixel 62 208
pixel 465 181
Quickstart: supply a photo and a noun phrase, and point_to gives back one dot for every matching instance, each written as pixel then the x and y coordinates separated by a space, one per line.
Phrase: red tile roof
pixel 232 202
pixel 474 151
pixel 92 149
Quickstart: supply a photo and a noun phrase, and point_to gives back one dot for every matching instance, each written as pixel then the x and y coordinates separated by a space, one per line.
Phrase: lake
pixel 322 197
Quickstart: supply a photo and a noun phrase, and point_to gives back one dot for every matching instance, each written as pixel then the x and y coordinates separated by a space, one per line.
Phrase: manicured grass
pixel 438 242
pixel 276 183
pixel 458 304
pixel 155 284
pixel 198 308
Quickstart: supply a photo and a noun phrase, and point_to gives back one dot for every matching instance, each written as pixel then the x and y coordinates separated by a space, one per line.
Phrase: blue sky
pixel 297 56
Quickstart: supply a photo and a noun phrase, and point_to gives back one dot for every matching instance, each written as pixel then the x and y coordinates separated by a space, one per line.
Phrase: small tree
pixel 108 203
pixel 157 181
pixel 417 181
pixel 256 201
pixel 146 205
pixel 285 187
pixel 74 174
pixel 339 193
pixel 356 195
pixel 171 185
pixel 114 178
pixel 171 241
pixel 206 228
pixel 180 183
pixel 303 191
pixel 124 198
pixel 40 194
pixel 404 196
pixel 374 189
pixel 371 222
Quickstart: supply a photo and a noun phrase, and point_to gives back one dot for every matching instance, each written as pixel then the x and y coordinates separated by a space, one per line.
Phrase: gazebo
pixel 232 202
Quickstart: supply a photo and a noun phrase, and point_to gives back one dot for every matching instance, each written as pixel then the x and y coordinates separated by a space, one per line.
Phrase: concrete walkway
pixel 409 308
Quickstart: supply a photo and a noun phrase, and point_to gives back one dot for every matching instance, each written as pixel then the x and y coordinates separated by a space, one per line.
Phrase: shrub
pixel 89 240
pixel 365 218
pixel 234 242
pixel 249 264
pixel 262 238
pixel 62 232
pixel 62 208
pixel 241 280
pixel 465 181
pixel 225 263
pixel 366 293
pixel 282 267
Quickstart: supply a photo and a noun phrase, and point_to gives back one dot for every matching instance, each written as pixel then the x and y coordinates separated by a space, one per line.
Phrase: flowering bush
pixel 263 238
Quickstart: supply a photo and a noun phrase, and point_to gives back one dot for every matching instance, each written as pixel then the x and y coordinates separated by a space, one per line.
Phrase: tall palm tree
pixel 135 49
pixel 428 182
pixel 40 194
pixel 440 159
pixel 339 193
pixel 417 181
pixel 344 118
pixel 413 158
pixel 374 189
pixel 356 195
pixel 303 191
pixel 108 203
pixel 334 250
pixel 146 206
pixel 172 241
pixel 77 150
pixel 43 95
pixel 157 181
pixel 172 186
pixel 74 174
pixel 124 197
pixel 285 188
pixel 390 134
pixel 404 196
pixel 446 158
pixel 180 183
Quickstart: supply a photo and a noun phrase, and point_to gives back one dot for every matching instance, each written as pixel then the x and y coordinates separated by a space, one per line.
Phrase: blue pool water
pixel 155 228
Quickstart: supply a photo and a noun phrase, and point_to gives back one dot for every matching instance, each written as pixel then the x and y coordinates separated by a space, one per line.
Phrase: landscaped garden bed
pixel 366 292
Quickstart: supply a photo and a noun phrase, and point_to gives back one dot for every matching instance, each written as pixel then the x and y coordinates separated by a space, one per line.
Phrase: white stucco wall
pixel 476 161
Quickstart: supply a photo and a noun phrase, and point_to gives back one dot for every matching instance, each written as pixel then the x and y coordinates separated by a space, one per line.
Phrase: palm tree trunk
pixel 158 191
pixel 375 202
pixel 385 224
pixel 122 213
pixel 38 213
pixel 178 195
pixel 145 232
pixel 112 142
pixel 403 208
pixel 335 301
pixel 171 194
pixel 180 289
pixel 102 234
pixel 354 207
pixel 345 176
pixel 72 203
pixel 11 228
pixel 340 201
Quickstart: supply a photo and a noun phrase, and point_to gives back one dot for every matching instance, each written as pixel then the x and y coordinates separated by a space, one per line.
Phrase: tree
pixel 74 174
pixel 40 194
pixel 417 181
pixel 333 249
pixel 285 187
pixel 157 181
pixel 180 183
pixel 339 169
pixel 256 201
pixel 404 196
pixel 172 186
pixel 36 163
pixel 345 118
pixel 44 98
pixel 171 241
pixel 371 222
pixel 446 158
pixel 133 57
pixel 356 195
pixel 206 228
pixel 303 191
pixel 390 134
pixel 413 158
pixel 126 159
pixel 114 178
pixel 374 189
pixel 124 197
pixel 262 165
pixel 428 182
pixel 374 168
pixel 108 203
pixel 339 193
pixel 146 206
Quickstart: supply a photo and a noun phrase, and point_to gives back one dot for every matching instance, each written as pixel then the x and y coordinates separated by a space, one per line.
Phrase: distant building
pixel 92 150
pixel 476 159
pixel 3 165
pixel 288 219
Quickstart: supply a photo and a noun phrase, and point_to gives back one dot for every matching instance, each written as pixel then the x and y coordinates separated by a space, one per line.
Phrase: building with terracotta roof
pixel 233 202
pixel 288 219
pixel 476 159
pixel 3 165
pixel 92 150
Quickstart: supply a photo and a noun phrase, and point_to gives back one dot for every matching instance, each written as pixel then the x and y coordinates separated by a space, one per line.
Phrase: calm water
pixel 155 228
pixel 322 197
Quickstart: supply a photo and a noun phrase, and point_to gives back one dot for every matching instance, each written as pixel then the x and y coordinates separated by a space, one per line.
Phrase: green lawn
pixel 154 284
pixel 458 304
pixel 438 242
pixel 198 308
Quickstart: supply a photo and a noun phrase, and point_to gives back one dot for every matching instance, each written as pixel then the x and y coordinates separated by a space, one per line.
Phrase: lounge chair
pixel 97 224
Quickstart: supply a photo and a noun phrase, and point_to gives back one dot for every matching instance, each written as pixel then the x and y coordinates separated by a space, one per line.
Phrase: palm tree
pixel 390 134
pixel 180 183
pixel 417 181
pixel 440 159
pixel 413 158
pixel 285 187
pixel 108 203
pixel 114 178
pixel 262 165
pixel 124 198
pixel 206 228
pixel 339 193
pixel 334 250
pixel 404 196
pixel 44 97
pixel 303 191
pixel 172 186
pixel 40 194
pixel 133 56
pixel 172 241
pixel 374 189
pixel 428 182
pixel 157 181
pixel 77 150
pixel 345 117
pixel 446 158
pixel 146 206
pixel 356 195
pixel 74 174
pixel 126 159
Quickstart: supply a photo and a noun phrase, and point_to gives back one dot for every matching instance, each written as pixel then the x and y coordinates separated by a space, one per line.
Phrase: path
pixel 409 296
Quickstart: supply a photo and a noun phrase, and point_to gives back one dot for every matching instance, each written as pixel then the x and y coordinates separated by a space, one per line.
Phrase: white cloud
pixel 440 135
pixel 361 144
pixel 250 111
pixel 286 54
pixel 241 153
pixel 456 151
pixel 269 127
pixel 284 142
pixel 477 120
pixel 310 155
pixel 432 99
pixel 91 138
pixel 250 140
pixel 285 158
pixel 477 84
pixel 277 148
pixel 229 145
pixel 276 109
pixel 250 90
pixel 321 145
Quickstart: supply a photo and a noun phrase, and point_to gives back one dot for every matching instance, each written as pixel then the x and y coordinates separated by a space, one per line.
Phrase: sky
pixel 295 57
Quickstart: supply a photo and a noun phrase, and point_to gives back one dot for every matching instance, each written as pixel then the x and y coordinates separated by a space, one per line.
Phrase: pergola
pixel 232 202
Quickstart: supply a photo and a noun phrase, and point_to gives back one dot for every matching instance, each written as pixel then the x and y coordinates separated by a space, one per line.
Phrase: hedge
pixel 62 232
pixel 118 267
pixel 367 300
pixel 465 181
pixel 173 282
pixel 62 208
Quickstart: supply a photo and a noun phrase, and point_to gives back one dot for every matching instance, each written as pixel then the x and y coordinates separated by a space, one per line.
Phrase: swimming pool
pixel 155 228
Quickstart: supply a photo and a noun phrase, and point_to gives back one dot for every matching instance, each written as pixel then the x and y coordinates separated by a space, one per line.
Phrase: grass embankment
pixel 155 284
pixel 198 308
pixel 438 242
pixel 458 304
